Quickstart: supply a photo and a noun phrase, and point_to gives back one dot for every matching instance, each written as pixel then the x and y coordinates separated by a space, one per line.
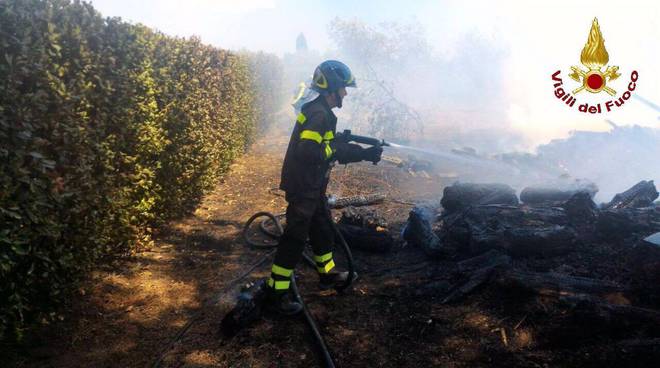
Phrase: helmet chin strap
pixel 338 99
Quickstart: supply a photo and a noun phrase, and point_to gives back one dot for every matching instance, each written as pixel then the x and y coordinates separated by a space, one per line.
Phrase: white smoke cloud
pixel 491 86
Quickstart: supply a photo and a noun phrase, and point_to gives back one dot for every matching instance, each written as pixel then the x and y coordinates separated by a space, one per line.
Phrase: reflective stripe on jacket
pixel 306 166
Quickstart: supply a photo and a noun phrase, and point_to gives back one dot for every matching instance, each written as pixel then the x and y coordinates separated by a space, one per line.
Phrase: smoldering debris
pixel 587 267
pixel 363 217
pixel 628 222
pixel 364 229
pixel 536 195
pixel 542 232
pixel 519 231
pixel 580 208
pixel 641 195
pixel 476 218
pixel 461 195
pixel 419 232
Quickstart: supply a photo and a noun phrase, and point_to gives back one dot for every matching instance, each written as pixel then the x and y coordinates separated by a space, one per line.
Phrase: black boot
pixel 334 279
pixel 282 303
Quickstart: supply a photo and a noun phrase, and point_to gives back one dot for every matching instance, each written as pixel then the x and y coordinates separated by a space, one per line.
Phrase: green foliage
pixel 106 129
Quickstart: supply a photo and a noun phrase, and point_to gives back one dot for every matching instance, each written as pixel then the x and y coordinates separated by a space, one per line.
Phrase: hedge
pixel 106 130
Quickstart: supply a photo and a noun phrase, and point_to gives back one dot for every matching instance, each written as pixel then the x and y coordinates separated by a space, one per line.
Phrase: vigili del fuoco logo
pixel 594 79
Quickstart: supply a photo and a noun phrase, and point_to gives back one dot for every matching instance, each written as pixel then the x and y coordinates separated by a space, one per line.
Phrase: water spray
pixel 347 136
pixel 476 164
pixel 458 158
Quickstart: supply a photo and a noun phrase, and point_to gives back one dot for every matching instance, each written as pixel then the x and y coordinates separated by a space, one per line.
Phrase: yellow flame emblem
pixel 594 56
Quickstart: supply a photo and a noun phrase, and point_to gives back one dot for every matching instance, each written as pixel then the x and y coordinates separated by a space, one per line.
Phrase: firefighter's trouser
pixel 304 218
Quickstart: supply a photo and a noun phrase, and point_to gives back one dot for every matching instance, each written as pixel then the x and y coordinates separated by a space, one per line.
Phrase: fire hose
pixel 275 219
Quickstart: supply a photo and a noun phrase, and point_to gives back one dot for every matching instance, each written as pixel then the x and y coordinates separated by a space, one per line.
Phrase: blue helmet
pixel 332 75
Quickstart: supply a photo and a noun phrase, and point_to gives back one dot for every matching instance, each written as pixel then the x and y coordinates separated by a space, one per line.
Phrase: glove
pixel 346 152
pixel 372 154
pixel 340 137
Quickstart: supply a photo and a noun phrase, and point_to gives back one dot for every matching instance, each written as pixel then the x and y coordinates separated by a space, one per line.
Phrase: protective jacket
pixel 312 149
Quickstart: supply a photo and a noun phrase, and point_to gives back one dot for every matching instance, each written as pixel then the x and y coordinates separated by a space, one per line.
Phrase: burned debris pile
pixel 460 196
pixel 641 195
pixel 590 260
pixel 363 229
pixel 418 231
pixel 519 231
pixel 476 218
pixel 539 195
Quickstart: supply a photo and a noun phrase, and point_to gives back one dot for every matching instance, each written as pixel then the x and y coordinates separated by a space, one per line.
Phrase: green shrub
pixel 106 129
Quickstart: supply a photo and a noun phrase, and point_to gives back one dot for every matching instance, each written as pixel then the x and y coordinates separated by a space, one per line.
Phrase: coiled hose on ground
pixel 275 219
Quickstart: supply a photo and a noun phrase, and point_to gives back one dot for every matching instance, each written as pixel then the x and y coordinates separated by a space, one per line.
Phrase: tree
pixel 381 57
pixel 301 43
pixel 401 80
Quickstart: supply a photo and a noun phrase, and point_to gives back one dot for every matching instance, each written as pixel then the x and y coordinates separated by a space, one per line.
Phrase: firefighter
pixel 312 150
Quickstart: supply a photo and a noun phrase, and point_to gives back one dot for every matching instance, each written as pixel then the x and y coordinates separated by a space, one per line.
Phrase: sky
pixel 538 38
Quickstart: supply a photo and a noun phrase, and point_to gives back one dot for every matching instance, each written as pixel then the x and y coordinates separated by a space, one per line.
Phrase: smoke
pixel 450 74
pixel 614 160
pixel 411 92
pixel 464 98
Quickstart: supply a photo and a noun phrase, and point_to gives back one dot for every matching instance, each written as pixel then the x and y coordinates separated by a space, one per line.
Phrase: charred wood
pixel 536 195
pixel 581 209
pixel 491 258
pixel 474 280
pixel 644 261
pixel 585 294
pixel 556 284
pixel 585 319
pixel 622 223
pixel 362 217
pixel 418 231
pixel 640 195
pixel 461 195
pixel 609 312
pixel 545 241
pixel 358 200
pixel 520 231
pixel 367 239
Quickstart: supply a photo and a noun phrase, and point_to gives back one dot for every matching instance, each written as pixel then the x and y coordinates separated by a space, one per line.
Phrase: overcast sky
pixel 538 40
